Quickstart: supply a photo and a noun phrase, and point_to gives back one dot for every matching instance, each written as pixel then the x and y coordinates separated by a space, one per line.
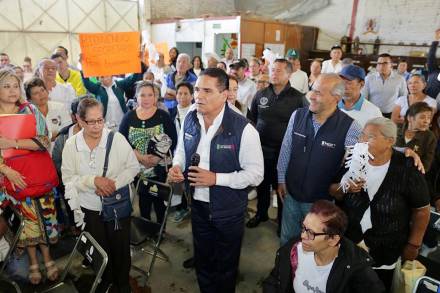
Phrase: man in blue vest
pixel 312 152
pixel 231 159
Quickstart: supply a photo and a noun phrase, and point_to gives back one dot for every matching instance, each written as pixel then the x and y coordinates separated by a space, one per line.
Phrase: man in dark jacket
pixel 322 260
pixel 270 112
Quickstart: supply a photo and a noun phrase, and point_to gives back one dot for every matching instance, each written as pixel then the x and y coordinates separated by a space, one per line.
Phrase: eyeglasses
pixel 310 234
pixel 94 122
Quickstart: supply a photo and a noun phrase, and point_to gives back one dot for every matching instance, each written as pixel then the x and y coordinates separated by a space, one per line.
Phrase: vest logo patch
pixel 328 144
pixel 226 147
pixel 264 101
pixel 188 136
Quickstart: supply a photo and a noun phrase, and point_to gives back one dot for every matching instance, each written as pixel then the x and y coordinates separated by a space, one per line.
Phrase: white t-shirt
pixel 327 67
pixel 375 177
pixel 114 113
pixel 403 103
pixel 368 111
pixel 63 93
pixel 309 277
pixel 299 81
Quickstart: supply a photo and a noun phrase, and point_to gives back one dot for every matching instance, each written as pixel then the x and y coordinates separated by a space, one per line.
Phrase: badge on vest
pixel 188 136
pixel 263 102
pixel 226 147
pixel 328 144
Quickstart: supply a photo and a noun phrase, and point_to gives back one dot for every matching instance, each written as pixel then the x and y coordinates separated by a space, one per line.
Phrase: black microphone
pixel 195 160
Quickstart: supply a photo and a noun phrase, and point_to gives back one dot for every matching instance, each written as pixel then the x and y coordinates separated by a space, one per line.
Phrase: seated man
pixel 322 260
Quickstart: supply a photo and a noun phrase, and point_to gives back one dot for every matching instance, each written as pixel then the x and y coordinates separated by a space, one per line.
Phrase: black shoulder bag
pixel 118 205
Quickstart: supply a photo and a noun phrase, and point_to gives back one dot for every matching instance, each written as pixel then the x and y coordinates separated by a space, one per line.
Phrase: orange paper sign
pixel 110 53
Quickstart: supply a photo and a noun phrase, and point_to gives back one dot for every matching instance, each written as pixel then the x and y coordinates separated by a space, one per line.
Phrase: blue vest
pixel 316 159
pixel 224 158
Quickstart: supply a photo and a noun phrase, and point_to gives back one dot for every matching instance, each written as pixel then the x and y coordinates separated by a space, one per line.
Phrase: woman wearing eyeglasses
pixel 322 260
pixel 82 172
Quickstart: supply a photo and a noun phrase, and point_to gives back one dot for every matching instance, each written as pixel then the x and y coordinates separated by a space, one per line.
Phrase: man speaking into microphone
pixel 231 160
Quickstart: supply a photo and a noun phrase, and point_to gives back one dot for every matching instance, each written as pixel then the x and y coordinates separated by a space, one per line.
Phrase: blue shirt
pixel 352 138
pixel 171 84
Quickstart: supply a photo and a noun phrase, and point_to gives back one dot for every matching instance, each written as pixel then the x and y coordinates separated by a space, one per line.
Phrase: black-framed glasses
pixel 310 234
pixel 94 122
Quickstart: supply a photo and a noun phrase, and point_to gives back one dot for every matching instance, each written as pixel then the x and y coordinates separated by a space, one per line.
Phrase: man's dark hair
pixel 30 84
pixel 55 56
pixel 403 61
pixel 284 61
pixel 220 75
pixel 4 54
pixel 64 49
pixel 417 108
pixel 385 55
pixel 332 217
pixel 187 85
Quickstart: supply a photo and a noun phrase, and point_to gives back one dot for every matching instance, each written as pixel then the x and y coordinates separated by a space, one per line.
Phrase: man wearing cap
pixel 246 88
pixel 353 103
pixel 298 79
pixel 334 65
pixel 385 86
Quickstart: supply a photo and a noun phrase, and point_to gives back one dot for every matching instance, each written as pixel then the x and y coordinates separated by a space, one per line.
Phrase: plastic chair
pixel 143 230
pixel 15 223
pixel 89 249
pixel 426 285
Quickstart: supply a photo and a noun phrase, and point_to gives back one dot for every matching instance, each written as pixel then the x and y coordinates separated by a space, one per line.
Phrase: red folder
pixel 17 126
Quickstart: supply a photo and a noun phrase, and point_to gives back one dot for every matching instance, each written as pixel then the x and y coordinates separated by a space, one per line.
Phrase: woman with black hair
pixel 197 66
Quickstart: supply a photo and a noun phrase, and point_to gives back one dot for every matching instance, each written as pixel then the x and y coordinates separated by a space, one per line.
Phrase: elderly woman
pixel 40 228
pixel 139 127
pixel 321 259
pixel 82 169
pixel 390 217
pixel 55 113
pixel 416 85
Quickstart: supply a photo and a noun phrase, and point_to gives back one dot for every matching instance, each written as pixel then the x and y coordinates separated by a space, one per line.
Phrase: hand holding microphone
pixel 198 176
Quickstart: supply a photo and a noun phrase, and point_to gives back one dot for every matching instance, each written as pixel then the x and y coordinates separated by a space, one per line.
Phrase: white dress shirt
pixel 114 114
pixel 63 93
pixel 250 157
pixel 327 67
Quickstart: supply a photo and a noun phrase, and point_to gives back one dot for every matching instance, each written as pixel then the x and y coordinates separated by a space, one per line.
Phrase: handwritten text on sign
pixel 110 53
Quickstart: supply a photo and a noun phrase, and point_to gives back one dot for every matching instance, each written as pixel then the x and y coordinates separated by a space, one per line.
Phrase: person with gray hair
pixel 388 212
pixel 312 152
pixel 182 74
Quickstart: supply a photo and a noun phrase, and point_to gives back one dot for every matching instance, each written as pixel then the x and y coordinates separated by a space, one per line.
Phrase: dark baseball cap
pixel 237 64
pixel 351 72
pixel 336 46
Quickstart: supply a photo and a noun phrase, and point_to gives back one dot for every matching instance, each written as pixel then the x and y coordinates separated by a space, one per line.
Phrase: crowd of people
pixel 219 133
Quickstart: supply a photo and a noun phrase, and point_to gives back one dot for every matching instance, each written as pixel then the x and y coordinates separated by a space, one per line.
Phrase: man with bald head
pixel 312 152
pixel 181 74
pixel 63 93
pixel 229 57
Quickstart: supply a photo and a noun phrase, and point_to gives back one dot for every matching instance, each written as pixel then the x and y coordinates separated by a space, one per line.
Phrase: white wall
pixel 408 21
pixel 194 30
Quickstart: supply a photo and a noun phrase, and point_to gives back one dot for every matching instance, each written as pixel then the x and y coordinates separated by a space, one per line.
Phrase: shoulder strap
pixel 107 152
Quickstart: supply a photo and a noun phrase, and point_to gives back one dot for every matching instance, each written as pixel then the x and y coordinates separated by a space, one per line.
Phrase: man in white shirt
pixel 229 57
pixel 246 88
pixel 353 103
pixel 63 93
pixel 230 160
pixel 334 65
pixel 298 79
